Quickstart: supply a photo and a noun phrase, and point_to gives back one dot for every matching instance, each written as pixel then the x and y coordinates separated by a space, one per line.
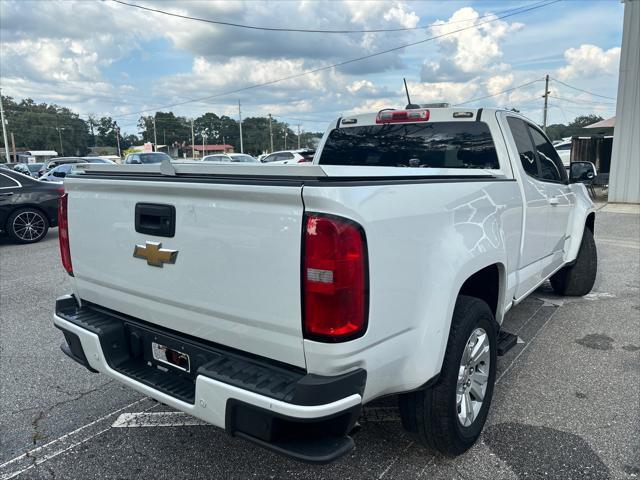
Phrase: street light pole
pixel 298 136
pixel 4 129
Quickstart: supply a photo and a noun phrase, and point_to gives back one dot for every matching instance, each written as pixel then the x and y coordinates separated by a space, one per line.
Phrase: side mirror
pixel 59 174
pixel 582 172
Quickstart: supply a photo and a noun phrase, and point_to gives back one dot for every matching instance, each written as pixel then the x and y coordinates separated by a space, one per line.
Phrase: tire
pixel 432 413
pixel 578 279
pixel 27 225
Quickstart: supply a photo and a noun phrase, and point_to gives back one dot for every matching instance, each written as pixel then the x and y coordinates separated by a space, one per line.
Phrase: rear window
pixel 426 145
pixel 153 157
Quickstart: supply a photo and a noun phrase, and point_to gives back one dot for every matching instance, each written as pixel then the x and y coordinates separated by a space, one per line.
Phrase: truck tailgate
pixel 236 276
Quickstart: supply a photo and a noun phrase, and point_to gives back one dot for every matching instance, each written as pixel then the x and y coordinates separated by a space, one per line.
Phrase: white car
pixel 285 157
pixel 275 302
pixel 230 158
pixel 564 151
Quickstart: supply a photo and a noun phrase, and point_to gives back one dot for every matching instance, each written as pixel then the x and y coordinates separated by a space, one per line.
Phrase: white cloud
pixel 499 83
pixel 467 53
pixel 448 92
pixel 589 60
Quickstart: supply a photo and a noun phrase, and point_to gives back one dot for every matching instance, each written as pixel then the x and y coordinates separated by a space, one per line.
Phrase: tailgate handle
pixel 156 219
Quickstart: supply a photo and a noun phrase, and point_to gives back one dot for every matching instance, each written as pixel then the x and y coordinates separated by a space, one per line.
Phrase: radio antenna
pixel 406 89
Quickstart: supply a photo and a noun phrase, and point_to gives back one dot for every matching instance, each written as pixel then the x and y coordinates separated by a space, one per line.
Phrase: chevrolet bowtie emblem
pixel 154 254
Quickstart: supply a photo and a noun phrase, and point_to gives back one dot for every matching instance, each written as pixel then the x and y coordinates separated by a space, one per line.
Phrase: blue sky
pixel 104 58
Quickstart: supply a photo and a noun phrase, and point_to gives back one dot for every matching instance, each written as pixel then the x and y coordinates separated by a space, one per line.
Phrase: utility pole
pixel 298 136
pixel 204 136
pixel 193 142
pixel 270 134
pixel 13 147
pixel 155 136
pixel 284 130
pixel 4 129
pixel 118 140
pixel 60 137
pixel 546 102
pixel 240 117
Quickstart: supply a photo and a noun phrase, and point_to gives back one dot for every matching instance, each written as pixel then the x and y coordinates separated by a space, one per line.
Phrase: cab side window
pixel 525 147
pixel 551 167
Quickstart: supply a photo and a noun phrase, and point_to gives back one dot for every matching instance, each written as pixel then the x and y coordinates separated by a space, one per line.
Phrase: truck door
pixel 560 197
pixel 533 248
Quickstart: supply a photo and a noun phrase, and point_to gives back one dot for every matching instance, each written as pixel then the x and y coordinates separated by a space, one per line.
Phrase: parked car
pixel 58 173
pixel 54 162
pixel 289 156
pixel 564 151
pixel 146 158
pixel 385 267
pixel 230 158
pixel 28 207
pixel 29 169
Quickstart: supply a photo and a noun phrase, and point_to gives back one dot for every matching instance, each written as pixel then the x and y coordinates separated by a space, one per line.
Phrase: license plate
pixel 169 356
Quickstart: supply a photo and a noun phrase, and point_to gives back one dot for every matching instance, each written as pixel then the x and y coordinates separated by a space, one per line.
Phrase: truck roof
pixel 435 114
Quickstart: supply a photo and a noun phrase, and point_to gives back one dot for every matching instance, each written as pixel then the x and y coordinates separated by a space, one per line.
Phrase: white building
pixel 624 181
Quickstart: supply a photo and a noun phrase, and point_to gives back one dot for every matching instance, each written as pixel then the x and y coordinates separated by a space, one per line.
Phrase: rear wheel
pixel 27 225
pixel 449 416
pixel 578 279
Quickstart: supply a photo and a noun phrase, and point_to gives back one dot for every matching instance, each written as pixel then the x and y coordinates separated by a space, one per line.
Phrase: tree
pixel 107 132
pixel 41 126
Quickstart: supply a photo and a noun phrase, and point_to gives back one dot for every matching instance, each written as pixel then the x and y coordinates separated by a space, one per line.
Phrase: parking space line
pixel 395 460
pixel 30 458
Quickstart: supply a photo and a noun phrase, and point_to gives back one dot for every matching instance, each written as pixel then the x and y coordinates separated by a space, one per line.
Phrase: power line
pixel 500 93
pixel 335 65
pixel 581 90
pixel 581 102
pixel 302 30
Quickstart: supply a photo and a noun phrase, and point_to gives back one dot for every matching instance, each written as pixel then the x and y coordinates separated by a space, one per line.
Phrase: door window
pixel 524 145
pixel 551 167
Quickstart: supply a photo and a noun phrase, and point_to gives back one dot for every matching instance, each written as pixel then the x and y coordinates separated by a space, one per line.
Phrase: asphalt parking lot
pixel 566 406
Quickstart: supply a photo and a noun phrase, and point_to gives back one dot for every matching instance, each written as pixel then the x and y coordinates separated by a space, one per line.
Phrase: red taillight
pixel 335 283
pixel 402 116
pixel 63 234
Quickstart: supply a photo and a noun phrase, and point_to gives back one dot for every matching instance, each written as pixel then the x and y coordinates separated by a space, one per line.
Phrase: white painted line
pixel 395 460
pixel 157 419
pixel 36 456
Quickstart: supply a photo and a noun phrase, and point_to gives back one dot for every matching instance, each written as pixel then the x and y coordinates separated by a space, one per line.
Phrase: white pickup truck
pixel 274 302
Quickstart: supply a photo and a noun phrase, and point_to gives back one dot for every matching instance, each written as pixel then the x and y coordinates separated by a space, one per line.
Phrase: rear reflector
pixel 63 234
pixel 335 279
pixel 402 116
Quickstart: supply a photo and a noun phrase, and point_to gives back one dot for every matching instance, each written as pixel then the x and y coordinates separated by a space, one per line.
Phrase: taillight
pixel 402 116
pixel 334 279
pixel 63 234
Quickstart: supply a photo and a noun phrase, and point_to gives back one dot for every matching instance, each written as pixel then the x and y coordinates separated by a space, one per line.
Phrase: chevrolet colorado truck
pixel 273 302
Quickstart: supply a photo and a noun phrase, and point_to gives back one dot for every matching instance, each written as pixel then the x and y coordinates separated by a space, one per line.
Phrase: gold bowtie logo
pixel 154 254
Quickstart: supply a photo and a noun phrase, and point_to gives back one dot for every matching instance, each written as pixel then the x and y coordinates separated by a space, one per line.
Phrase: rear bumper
pixel 282 408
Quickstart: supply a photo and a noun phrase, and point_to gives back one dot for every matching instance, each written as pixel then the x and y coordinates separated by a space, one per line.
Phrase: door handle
pixel 6 194
pixel 554 201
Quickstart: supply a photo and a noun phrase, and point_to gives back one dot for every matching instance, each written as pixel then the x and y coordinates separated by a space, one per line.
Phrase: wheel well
pixel 590 223
pixel 485 285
